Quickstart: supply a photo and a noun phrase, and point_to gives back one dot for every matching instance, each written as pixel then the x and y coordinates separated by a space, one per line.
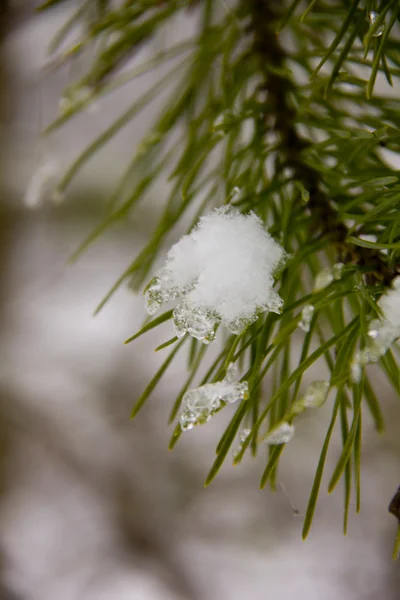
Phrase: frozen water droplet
pixel 224 121
pixel 148 142
pixel 75 98
pixel 200 323
pixel 323 279
pixel 314 397
pixel 238 325
pixel 41 184
pixel 231 373
pixel 373 330
pixel 244 434
pixel 373 17
pixel 281 434
pixel 200 404
pixel 153 296
pixel 306 317
pixel 275 304
pixel 316 394
pixel 337 270
pixel 356 372
pixel 235 194
pixel 382 334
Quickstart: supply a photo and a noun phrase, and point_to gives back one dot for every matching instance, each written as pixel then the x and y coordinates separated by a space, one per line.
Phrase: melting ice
pixel 200 404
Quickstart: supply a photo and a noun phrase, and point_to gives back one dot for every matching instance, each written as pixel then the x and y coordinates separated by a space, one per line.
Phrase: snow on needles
pixel 382 332
pixel 222 272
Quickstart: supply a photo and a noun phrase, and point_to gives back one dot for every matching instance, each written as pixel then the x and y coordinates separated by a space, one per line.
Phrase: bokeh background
pixel 92 505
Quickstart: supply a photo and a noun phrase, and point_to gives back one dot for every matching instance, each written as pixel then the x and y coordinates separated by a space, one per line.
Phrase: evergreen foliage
pixel 273 107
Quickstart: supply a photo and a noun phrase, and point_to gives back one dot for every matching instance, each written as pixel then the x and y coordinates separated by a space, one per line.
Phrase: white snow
pixel 223 271
pixel 390 304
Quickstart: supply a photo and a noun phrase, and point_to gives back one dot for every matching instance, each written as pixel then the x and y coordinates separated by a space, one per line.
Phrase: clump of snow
pixel 389 304
pixel 382 332
pixel 200 404
pixel 223 273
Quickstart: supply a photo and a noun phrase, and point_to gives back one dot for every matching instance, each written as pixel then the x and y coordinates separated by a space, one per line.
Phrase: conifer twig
pixel 326 222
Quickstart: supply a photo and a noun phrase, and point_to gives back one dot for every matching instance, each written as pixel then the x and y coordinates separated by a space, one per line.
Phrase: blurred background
pixel 92 505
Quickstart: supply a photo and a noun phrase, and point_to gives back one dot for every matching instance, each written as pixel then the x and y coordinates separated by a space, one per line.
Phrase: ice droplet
pixel 337 270
pixel 200 404
pixel 306 317
pixel 323 279
pixel 198 322
pixel 355 372
pixel 235 194
pixel 41 184
pixel 316 394
pixel 281 434
pixel 373 17
pixel 154 296
pixel 314 397
pixel 75 98
pixel 148 142
pixel 231 373
pixel 382 332
pixel 244 434
pixel 224 121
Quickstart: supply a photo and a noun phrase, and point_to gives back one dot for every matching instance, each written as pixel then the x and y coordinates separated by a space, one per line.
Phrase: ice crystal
pixel 222 272
pixel 281 434
pixel 306 317
pixel 323 279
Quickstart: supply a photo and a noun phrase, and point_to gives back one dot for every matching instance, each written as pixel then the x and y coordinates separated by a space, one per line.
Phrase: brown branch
pixel 326 223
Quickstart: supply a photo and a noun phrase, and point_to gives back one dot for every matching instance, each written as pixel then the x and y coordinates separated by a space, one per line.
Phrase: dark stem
pixel 266 13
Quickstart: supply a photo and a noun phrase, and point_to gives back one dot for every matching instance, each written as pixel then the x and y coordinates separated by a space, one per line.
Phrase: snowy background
pixel 93 505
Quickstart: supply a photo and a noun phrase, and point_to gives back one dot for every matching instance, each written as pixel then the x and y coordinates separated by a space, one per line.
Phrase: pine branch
pixel 301 149
pixel 326 223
